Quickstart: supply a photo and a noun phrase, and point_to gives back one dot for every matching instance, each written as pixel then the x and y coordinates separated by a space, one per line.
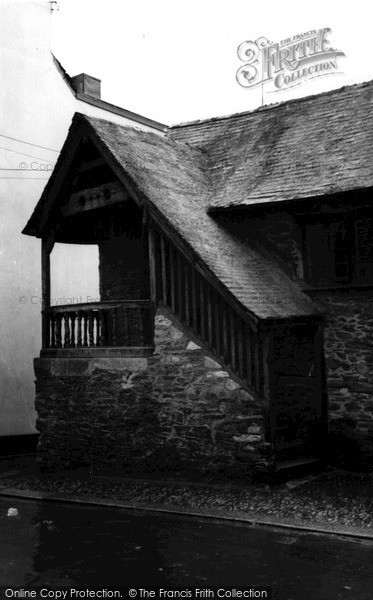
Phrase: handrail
pixel 95 305
pixel 205 312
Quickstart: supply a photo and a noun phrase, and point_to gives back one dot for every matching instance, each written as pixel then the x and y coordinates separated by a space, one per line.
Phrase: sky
pixel 176 61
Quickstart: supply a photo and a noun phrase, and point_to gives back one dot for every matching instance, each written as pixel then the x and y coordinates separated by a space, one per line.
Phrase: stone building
pixel 233 333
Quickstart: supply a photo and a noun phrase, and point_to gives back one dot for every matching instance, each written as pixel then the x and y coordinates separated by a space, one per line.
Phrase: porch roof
pixel 173 180
pixel 303 148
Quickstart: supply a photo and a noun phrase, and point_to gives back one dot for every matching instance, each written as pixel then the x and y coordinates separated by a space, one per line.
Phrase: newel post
pixel 152 272
pixel 46 249
pixel 267 349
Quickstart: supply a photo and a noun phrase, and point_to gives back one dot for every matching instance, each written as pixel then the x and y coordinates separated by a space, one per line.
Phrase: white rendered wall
pixel 36 106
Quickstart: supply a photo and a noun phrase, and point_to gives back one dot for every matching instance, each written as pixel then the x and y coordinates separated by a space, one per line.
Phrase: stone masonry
pixel 348 340
pixel 176 410
pixel 349 367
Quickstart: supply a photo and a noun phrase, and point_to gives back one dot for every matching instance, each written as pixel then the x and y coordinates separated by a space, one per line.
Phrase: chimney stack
pixel 86 84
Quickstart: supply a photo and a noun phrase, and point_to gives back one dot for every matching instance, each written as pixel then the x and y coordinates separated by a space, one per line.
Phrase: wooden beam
pixel 92 164
pixel 95 352
pixel 45 274
pixel 94 197
pixel 45 290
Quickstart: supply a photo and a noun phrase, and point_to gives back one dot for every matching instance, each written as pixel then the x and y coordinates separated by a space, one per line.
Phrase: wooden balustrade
pixel 99 324
pixel 176 283
pixel 209 315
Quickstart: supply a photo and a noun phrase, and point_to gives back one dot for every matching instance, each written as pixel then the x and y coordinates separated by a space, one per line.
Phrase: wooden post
pixel 153 279
pixel 225 331
pixel 172 280
pixel 250 349
pixel 320 385
pixel 187 293
pixel 202 308
pixel 46 248
pixel 241 361
pixel 266 343
pixel 152 266
pixel 209 317
pixel 217 324
pixel 256 349
pixel 194 302
pixel 180 296
pixel 164 270
pixel 232 333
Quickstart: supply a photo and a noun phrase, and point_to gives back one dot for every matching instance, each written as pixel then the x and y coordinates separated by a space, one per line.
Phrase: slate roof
pixel 318 145
pixel 174 179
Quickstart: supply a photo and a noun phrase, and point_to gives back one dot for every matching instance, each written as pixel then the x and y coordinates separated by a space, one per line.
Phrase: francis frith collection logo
pixel 289 62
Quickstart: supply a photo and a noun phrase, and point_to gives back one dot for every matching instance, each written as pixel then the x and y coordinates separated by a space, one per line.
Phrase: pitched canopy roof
pixel 318 145
pixel 173 180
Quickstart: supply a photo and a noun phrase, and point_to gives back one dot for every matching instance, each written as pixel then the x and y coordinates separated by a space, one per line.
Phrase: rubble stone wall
pixel 176 410
pixel 349 367
pixel 348 341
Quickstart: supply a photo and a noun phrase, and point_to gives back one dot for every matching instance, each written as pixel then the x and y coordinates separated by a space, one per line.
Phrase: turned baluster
pixel 78 315
pixel 67 330
pixel 58 333
pixel 101 329
pixel 72 330
pixel 90 318
pixel 114 325
pixel 95 317
pixel 127 333
pixel 140 317
pixel 51 340
pixel 85 330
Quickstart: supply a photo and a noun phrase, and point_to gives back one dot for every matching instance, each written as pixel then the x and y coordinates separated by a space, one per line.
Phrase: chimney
pixel 86 84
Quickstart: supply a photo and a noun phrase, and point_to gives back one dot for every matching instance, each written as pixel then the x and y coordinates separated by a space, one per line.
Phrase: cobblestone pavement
pixel 334 501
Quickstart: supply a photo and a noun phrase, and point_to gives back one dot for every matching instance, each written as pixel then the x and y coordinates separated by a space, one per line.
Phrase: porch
pixel 235 381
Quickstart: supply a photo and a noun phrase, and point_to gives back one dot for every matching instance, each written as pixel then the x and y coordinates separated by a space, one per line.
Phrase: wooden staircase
pixel 181 287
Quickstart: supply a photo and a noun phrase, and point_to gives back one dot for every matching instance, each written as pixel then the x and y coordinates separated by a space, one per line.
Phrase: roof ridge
pixel 201 151
pixel 266 107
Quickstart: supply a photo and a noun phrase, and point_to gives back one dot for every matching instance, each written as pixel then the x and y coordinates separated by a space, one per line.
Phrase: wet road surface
pixel 53 544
